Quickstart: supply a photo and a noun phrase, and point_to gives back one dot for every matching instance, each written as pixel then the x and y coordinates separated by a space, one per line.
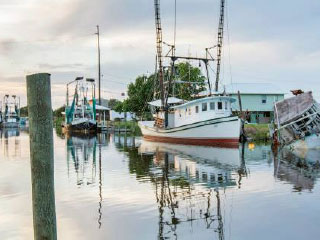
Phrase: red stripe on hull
pixel 225 143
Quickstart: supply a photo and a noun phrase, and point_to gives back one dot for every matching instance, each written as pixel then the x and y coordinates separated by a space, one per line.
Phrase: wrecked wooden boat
pixel 297 122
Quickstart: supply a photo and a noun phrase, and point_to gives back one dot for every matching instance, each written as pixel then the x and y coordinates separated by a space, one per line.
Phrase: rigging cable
pixel 229 46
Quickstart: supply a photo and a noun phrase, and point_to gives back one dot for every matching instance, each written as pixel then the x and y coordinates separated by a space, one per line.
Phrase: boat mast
pixel 159 49
pixel 220 42
pixel 99 65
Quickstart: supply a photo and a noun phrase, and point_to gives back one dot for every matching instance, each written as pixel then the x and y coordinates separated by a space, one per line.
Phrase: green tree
pixel 189 81
pixel 58 112
pixel 113 103
pixel 139 94
pixel 194 81
pixel 24 111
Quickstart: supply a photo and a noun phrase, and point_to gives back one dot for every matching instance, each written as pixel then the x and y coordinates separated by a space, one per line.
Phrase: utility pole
pixel 99 66
pixel 220 42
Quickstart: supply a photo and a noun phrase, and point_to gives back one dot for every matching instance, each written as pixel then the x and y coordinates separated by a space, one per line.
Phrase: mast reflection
pixel 188 183
pixel 82 149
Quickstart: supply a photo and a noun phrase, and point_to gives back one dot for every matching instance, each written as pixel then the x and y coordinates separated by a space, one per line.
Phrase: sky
pixel 265 41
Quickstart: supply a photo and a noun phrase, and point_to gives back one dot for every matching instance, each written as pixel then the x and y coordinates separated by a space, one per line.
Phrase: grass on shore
pixel 257 132
pixel 133 125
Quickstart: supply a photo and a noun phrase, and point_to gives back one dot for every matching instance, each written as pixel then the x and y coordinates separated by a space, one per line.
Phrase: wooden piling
pixel 41 155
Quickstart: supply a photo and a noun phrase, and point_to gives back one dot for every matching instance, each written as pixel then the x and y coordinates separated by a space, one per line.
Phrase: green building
pixel 257 100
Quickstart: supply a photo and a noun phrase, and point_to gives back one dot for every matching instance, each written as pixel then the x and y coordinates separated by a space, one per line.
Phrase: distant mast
pixel 220 42
pixel 99 65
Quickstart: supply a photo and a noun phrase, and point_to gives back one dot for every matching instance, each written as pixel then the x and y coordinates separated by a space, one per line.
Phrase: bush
pixel 257 131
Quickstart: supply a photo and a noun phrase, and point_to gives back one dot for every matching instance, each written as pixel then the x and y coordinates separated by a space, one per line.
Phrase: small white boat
pixel 205 121
pixel 10 116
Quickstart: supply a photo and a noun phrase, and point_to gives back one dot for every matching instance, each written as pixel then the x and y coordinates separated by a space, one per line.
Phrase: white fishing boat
pixel 10 117
pixel 205 121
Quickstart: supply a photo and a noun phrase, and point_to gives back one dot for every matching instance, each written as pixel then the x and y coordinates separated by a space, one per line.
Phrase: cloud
pixel 272 40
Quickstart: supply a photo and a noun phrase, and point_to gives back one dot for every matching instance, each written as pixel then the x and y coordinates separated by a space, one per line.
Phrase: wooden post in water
pixel 41 154
pixel 242 116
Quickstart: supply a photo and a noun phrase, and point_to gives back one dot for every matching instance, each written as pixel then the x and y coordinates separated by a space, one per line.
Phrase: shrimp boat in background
pixel 80 116
pixel 297 123
pixel 202 121
pixel 10 113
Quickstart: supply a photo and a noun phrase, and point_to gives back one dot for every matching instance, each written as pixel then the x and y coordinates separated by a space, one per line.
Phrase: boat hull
pixel 81 125
pixel 10 124
pixel 216 132
pixel 307 148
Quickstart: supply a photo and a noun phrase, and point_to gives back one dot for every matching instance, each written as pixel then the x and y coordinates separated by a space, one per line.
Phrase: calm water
pixel 116 187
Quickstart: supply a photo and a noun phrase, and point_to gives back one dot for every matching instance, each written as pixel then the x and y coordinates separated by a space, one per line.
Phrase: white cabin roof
pixel 171 100
pixel 206 99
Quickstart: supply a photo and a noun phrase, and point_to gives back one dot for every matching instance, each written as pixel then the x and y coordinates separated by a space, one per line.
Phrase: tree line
pixel 188 81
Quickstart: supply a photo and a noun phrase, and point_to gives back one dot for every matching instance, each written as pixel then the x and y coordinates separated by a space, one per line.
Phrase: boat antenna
pixel 99 65
pixel 220 42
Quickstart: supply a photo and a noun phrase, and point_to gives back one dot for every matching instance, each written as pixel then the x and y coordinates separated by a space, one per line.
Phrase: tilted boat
pixel 10 116
pixel 297 121
pixel 80 116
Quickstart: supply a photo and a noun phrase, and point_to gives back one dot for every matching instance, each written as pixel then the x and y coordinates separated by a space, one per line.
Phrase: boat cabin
pixel 198 110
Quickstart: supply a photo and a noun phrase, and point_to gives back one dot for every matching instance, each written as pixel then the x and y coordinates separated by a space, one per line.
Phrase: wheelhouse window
pixel 204 107
pixel 189 111
pixel 264 99
pixel 212 106
pixel 220 105
pixel 197 109
pixel 226 105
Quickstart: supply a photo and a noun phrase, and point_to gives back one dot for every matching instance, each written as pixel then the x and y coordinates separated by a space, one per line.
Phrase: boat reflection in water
pixel 300 170
pixel 189 184
pixel 10 142
pixel 82 149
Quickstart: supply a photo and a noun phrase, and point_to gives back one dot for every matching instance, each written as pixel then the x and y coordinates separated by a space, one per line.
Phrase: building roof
pixel 247 88
pixel 253 88
pixel 102 108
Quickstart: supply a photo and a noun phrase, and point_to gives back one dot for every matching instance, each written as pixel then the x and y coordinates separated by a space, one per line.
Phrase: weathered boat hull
pixel 216 132
pixel 298 123
pixel 81 125
pixel 307 148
